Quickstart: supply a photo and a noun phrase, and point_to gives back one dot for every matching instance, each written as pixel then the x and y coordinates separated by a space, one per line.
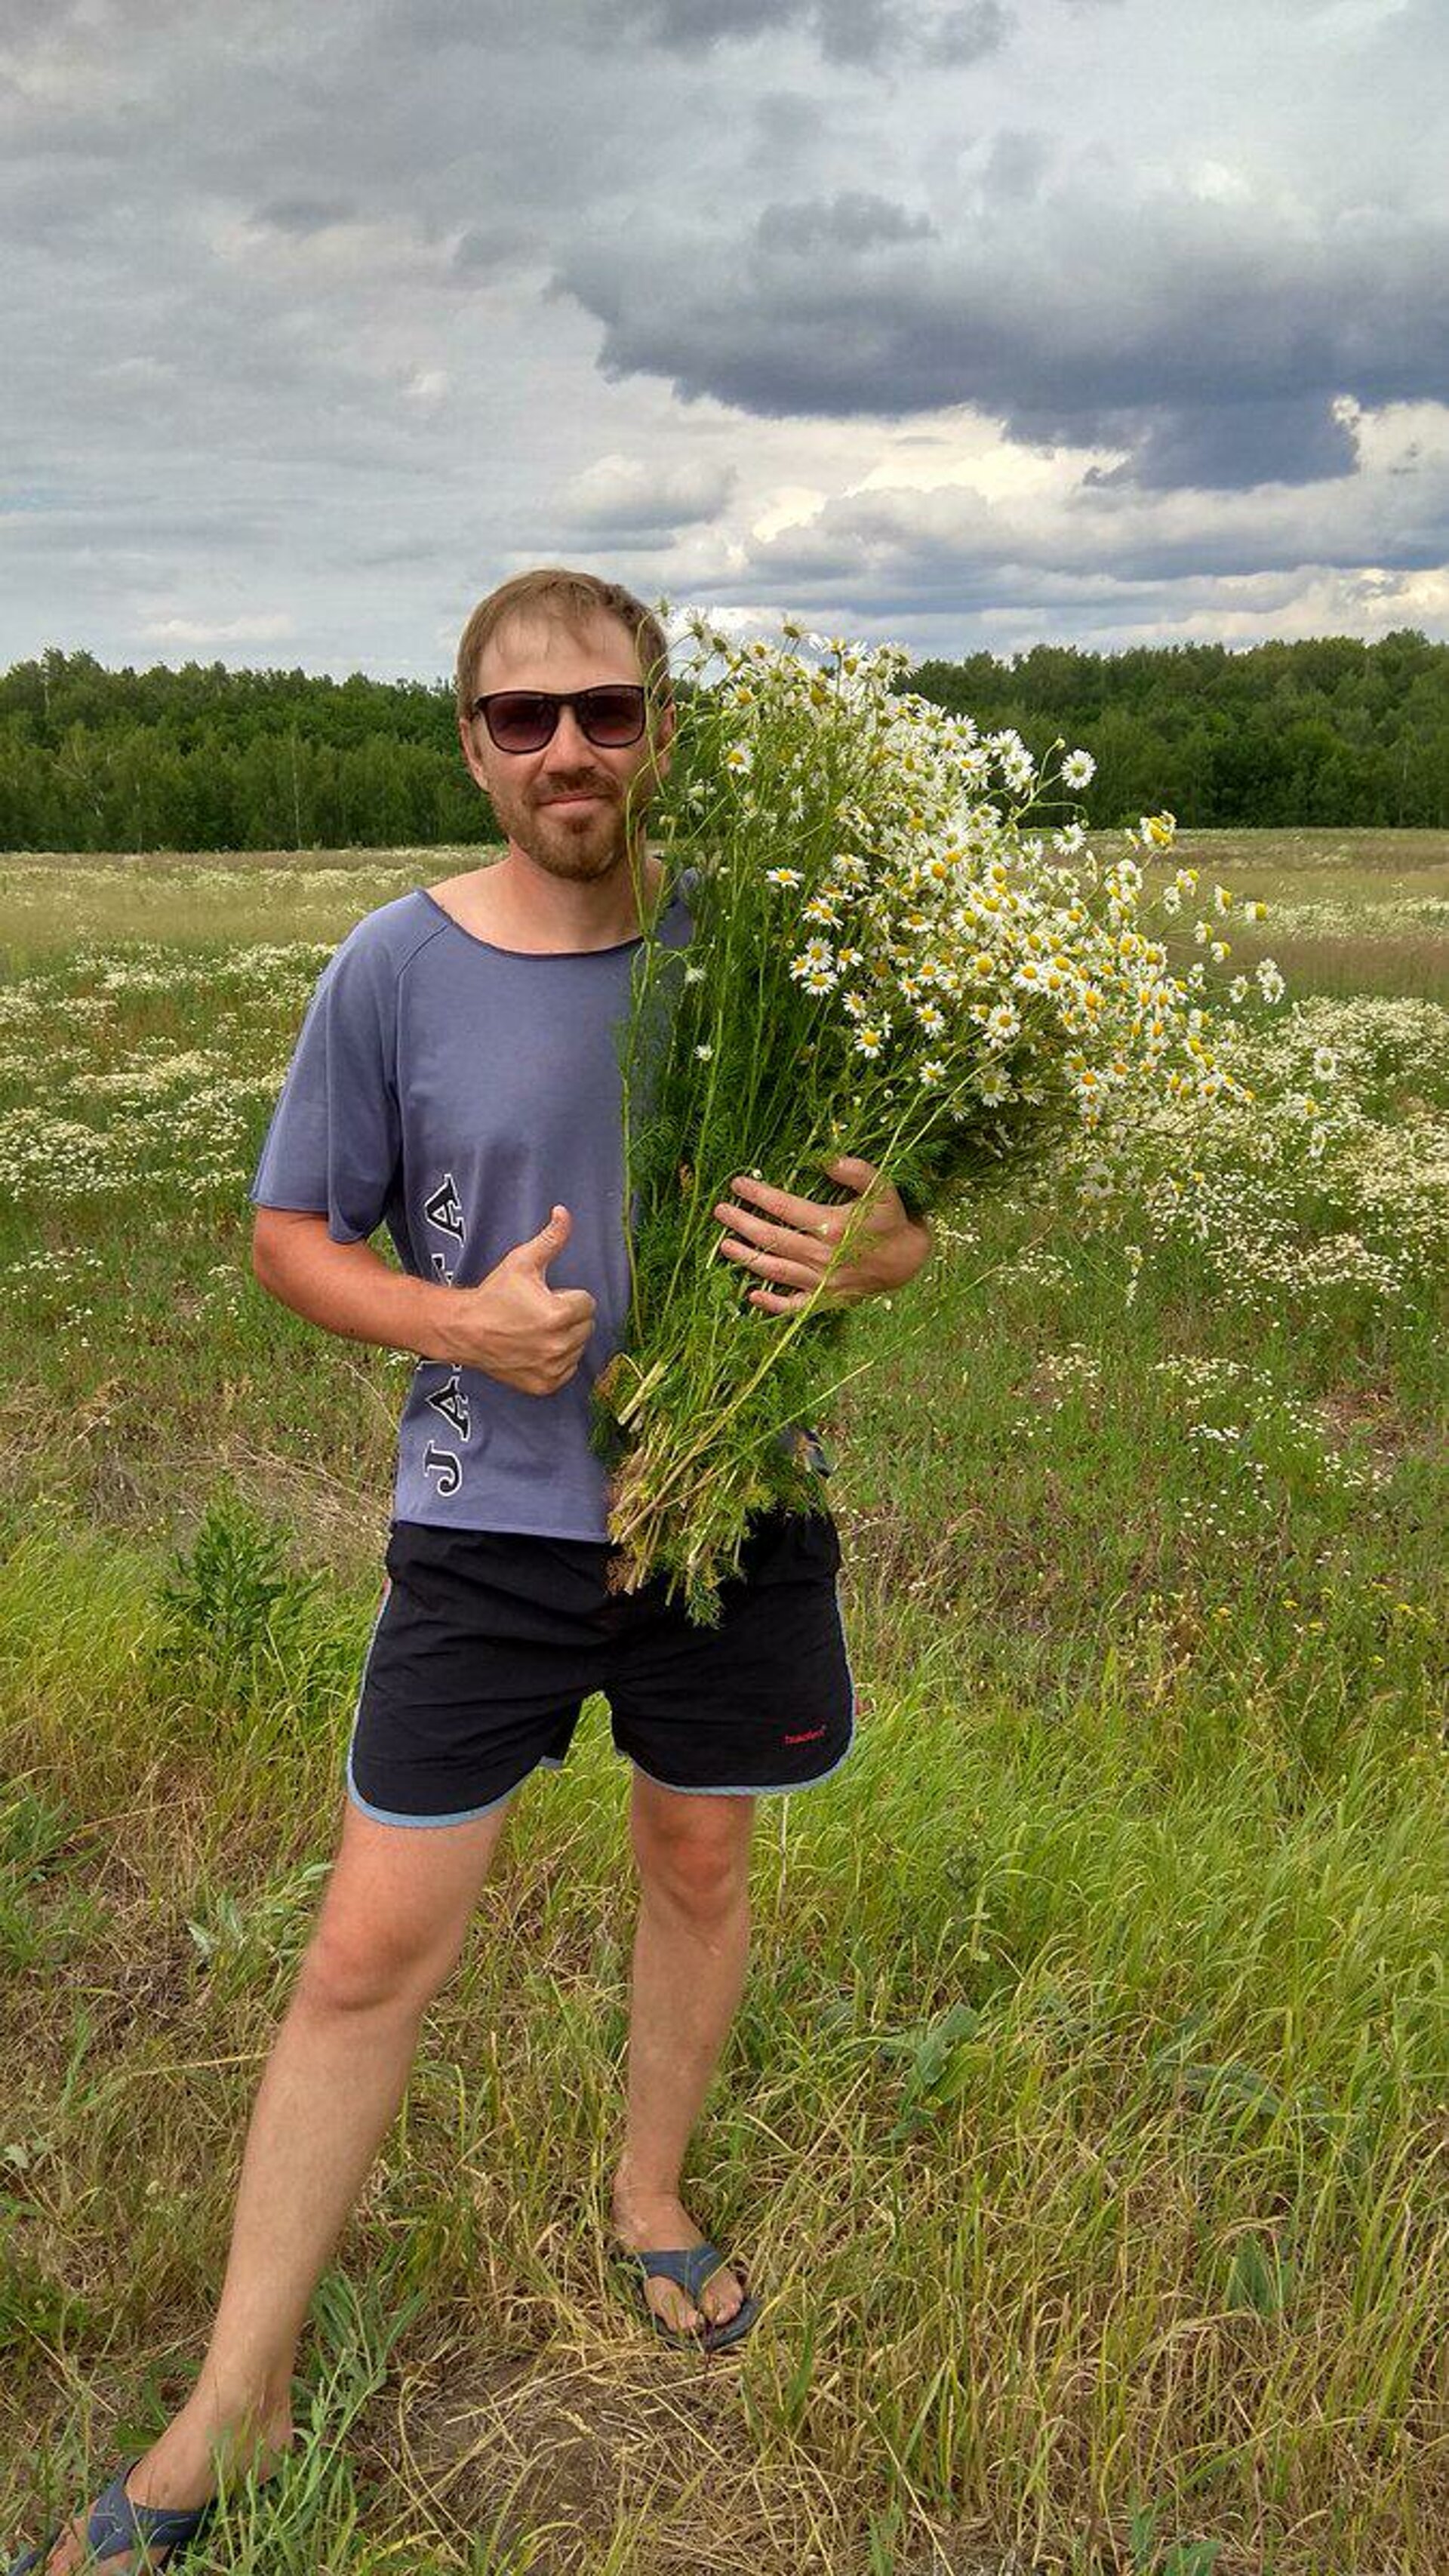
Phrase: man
pixel 457 1077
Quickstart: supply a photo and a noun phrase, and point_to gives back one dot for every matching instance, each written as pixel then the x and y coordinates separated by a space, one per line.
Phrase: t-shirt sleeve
pixel 335 1138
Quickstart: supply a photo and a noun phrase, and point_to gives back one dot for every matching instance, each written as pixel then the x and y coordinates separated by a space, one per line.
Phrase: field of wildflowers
pixel 1084 2119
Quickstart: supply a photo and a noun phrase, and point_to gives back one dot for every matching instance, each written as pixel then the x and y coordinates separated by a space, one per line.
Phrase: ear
pixel 469 749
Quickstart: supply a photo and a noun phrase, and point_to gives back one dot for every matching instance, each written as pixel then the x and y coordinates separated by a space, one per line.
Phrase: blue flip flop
pixel 115 2524
pixel 691 2266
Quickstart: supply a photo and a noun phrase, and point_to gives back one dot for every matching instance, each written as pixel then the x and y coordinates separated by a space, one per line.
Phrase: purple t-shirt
pixel 454 1092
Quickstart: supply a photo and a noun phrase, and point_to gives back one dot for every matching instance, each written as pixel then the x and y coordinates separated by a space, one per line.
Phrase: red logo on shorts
pixel 807 1738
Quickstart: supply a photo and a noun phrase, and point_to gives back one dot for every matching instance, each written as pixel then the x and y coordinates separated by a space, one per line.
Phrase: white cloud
pixel 620 493
pixel 267 629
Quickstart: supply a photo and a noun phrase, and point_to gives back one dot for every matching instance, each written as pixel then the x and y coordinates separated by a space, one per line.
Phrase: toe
pixel 722 2297
pixel 673 2306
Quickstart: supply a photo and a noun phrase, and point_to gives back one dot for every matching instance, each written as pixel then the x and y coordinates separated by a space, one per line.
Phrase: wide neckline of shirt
pixel 537 956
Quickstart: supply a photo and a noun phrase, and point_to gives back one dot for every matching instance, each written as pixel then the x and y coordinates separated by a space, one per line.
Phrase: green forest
pixel 1326 731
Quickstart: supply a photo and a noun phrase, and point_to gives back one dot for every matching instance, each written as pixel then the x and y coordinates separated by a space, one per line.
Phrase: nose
pixel 569 759
pixel 570 743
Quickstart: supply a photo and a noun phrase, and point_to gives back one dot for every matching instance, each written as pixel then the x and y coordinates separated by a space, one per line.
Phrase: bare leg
pixel 388 1935
pixel 691 1950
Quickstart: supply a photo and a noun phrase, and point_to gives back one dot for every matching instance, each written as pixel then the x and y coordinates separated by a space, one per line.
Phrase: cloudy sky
pixel 954 322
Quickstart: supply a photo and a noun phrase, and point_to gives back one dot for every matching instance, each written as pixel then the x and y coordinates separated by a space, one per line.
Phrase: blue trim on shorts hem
pixel 390 1816
pixel 766 1788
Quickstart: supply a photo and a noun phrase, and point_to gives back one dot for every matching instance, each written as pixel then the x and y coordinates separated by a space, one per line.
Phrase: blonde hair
pixel 551 590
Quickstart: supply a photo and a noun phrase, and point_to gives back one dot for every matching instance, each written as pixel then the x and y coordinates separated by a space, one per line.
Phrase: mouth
pixel 572 804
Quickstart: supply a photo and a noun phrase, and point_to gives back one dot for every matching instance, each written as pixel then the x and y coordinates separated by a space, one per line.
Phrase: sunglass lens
pixel 613 717
pixel 520 721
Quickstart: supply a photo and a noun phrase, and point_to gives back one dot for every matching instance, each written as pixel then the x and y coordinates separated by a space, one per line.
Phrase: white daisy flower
pixel 704 1052
pixel 933 1072
pixel 1078 769
pixel 869 1039
pixel 783 877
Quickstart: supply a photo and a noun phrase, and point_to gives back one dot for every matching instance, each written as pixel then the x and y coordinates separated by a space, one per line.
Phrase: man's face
pixel 531 791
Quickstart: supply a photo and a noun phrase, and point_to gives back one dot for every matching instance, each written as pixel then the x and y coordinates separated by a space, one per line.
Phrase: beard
pixel 585 847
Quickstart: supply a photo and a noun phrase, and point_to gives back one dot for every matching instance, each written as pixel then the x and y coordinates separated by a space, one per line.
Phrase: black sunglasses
pixel 611 715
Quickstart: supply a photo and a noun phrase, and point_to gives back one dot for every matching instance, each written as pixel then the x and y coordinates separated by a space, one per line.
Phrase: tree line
pixel 1326 731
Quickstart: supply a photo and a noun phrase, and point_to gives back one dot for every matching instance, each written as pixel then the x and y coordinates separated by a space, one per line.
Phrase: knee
pixel 703 1871
pixel 363 1967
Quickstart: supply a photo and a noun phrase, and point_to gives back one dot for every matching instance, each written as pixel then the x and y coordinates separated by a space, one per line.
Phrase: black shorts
pixel 487 1643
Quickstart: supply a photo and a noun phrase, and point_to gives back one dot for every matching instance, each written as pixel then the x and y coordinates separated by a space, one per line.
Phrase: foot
pixel 69 2553
pixel 643 2220
pixel 69 2550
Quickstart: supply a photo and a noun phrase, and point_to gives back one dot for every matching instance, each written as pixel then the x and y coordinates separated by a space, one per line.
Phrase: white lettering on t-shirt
pixel 443 1208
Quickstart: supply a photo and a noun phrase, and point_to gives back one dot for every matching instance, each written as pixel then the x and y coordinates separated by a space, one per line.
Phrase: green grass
pixel 1351 912
pixel 1084 2115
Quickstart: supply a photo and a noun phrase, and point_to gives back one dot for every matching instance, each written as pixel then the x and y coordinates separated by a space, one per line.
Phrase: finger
pixel 775 1238
pixel 852 1170
pixel 775 1301
pixel 804 1213
pixel 772 1265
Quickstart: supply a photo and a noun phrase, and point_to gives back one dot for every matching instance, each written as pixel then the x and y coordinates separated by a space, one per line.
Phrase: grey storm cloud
pixel 864 33
pixel 851 221
pixel 1288 438
pixel 1210 349
pixel 302 216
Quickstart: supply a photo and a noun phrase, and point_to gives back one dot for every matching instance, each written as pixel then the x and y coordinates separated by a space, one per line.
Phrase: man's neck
pixel 516 904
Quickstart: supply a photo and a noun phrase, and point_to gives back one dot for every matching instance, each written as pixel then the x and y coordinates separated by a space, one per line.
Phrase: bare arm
pixel 512 1325
pixel 347 1287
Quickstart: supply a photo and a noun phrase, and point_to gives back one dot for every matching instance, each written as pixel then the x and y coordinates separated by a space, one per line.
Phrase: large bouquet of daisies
pixel 895 954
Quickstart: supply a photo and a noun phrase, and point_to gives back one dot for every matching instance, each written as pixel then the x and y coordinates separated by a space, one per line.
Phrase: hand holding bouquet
pixel 890 981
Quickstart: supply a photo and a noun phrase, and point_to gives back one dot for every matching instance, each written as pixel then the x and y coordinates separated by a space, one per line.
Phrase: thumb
pixel 550 1239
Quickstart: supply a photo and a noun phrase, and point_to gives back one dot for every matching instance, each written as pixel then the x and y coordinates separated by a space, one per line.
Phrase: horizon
pixel 444 679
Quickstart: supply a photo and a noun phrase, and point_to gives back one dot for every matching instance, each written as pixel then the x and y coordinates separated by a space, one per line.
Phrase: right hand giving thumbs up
pixel 515 1327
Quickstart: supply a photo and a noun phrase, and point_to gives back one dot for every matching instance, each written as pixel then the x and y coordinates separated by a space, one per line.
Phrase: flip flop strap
pixel 691 2265
pixel 115 2523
